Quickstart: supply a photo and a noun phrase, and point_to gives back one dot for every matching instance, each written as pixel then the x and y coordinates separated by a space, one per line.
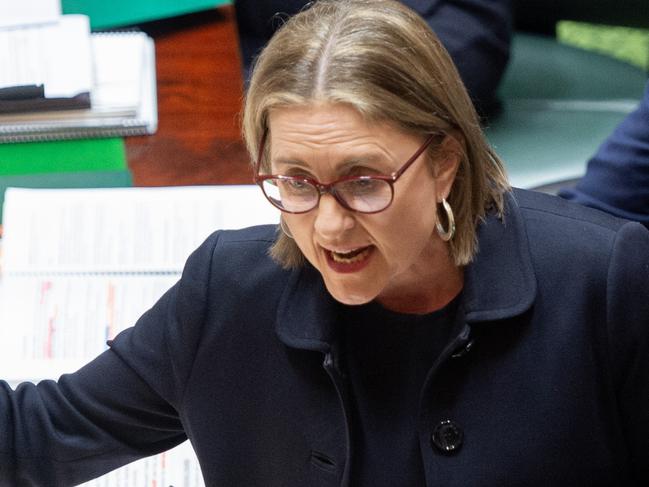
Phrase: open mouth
pixel 350 257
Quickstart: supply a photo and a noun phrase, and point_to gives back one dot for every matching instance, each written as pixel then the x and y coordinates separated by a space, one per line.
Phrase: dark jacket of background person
pixel 477 34
pixel 543 383
pixel 617 177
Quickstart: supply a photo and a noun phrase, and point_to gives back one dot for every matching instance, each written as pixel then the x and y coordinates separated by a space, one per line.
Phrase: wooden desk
pixel 199 101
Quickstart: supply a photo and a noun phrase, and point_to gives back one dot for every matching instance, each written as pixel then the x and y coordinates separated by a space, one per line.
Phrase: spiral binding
pixel 46 134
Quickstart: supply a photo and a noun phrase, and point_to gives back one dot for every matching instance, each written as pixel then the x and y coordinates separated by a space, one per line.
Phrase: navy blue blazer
pixel 617 177
pixel 477 34
pixel 544 381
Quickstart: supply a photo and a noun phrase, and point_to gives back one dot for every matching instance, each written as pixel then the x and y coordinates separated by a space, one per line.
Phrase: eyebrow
pixel 348 163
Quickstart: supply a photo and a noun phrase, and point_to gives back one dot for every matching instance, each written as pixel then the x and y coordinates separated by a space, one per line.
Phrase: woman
pixel 417 324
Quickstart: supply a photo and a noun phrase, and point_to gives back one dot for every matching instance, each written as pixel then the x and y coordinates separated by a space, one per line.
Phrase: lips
pixel 350 260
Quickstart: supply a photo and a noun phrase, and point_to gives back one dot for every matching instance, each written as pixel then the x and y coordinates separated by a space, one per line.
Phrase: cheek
pixel 409 230
pixel 420 209
pixel 413 216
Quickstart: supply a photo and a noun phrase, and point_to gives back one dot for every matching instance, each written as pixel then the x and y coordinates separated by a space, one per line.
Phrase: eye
pixel 295 185
pixel 363 186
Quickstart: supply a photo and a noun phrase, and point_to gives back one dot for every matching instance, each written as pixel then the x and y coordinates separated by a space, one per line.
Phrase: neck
pixel 425 299
pixel 429 287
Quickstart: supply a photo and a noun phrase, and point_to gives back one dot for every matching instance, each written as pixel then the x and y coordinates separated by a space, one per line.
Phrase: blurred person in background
pixel 617 177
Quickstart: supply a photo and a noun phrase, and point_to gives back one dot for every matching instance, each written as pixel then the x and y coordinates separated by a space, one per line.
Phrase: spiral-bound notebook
pixel 123 96
pixel 80 265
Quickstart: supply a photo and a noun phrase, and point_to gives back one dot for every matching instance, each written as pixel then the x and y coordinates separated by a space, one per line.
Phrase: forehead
pixel 323 124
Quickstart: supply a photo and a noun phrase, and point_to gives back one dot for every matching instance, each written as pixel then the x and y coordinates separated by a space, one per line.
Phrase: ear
pixel 448 162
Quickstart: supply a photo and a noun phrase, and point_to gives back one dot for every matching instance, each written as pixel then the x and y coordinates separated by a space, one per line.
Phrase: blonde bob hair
pixel 382 59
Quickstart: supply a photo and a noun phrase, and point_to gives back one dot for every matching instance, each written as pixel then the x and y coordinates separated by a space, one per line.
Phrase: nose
pixel 332 219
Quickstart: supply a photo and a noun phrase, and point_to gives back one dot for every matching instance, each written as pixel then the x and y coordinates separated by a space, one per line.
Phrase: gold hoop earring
pixel 284 228
pixel 447 234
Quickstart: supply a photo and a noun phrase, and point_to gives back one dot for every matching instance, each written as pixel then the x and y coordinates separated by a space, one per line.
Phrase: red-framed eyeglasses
pixel 364 194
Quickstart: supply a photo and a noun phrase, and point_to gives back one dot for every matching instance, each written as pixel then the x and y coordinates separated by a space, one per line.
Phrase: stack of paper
pixel 61 82
pixel 46 66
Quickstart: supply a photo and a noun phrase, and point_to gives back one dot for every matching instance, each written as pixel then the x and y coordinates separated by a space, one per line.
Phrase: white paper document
pixel 65 320
pixel 80 265
pixel 56 55
pixel 120 229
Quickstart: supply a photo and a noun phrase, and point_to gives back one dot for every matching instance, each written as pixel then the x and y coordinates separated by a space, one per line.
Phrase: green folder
pixel 104 14
pixel 63 156
pixel 82 179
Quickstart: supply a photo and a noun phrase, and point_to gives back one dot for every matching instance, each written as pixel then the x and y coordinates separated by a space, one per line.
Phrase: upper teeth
pixel 347 252
pixel 351 255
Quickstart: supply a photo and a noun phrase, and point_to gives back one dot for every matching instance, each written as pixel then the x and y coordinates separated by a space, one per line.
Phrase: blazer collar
pixel 306 314
pixel 499 284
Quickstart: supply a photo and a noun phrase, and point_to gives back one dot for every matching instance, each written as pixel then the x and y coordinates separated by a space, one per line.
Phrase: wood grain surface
pixel 199 102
